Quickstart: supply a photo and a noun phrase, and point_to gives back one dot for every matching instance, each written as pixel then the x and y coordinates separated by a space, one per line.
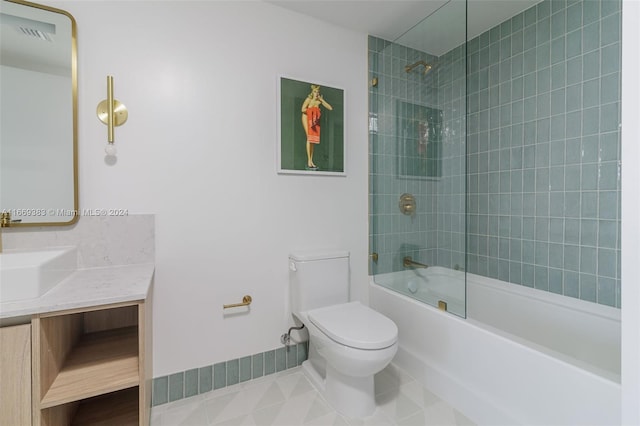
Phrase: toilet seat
pixel 355 325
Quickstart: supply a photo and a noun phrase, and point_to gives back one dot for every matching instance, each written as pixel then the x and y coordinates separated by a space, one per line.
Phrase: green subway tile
pixel 558 24
pixel 543 31
pixel 588 232
pixel 607 204
pixel 556 204
pixel 176 386
pixel 590 11
pixel 591 65
pixel 571 258
pixel 574 70
pixel 245 368
pixel 292 356
pixel 517 42
pixel 556 230
pixel 530 16
pixel 574 16
pixel 591 93
pixel 610 31
pixel 571 282
pixel 589 205
pixel 606 291
pixel 607 233
pixel 607 263
pixel 591 37
pixel 529 38
pixel 588 287
pixel 557 51
pixel 528 275
pixel 517 22
pixel 160 390
pixel 544 9
pixel 558 5
pixel 269 362
pixel 555 255
pixel 302 352
pixel 609 117
pixel 257 365
pixel 555 281
pixel 190 382
pixel 281 359
pixel 503 270
pixel 588 262
pixel 558 73
pixel 505 29
pixel 515 272
pixel 610 58
pixel 219 375
pixel 608 176
pixel 590 149
pixel 573 152
pixel 573 97
pixel 609 6
pixel 610 88
pixel 528 251
pixel 233 372
pixel 574 44
pixel 205 379
pixel 541 278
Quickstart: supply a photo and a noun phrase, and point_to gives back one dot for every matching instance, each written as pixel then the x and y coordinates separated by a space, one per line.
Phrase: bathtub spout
pixel 407 262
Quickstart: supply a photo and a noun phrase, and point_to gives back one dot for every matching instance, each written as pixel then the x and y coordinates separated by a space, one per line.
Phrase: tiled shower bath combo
pixel 540 144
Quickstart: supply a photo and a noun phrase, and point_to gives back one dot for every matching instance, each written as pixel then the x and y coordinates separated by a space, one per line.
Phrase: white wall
pixel 630 213
pixel 199 151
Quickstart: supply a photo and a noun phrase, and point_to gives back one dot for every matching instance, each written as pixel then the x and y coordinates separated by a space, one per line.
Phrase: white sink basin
pixel 27 274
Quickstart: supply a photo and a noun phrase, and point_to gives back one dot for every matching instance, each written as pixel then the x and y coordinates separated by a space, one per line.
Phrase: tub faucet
pixel 407 262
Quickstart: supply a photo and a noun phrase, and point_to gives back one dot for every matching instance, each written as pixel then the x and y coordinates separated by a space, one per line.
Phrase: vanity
pixel 75 322
pixel 81 353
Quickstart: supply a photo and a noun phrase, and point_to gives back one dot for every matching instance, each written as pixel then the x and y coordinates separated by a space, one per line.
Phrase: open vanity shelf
pixel 89 366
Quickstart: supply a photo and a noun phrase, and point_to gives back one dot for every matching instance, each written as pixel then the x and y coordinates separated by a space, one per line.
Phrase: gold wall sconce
pixel 113 113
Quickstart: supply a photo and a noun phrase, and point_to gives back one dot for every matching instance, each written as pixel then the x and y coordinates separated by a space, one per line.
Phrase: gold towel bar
pixel 246 301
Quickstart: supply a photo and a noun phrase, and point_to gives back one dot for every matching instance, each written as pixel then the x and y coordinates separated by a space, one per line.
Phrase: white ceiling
pixel 390 19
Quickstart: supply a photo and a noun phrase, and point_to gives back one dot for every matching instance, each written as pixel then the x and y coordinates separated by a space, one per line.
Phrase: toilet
pixel 348 342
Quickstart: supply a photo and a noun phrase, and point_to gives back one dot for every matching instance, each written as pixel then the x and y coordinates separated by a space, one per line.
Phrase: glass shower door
pixel 417 107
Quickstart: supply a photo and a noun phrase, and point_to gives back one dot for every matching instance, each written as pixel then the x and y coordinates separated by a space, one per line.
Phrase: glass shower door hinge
pixel 373 122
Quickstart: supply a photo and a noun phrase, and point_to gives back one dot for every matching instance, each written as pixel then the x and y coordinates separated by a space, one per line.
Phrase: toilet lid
pixel 355 325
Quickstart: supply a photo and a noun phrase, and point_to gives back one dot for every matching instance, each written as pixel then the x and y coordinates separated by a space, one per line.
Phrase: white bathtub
pixel 521 357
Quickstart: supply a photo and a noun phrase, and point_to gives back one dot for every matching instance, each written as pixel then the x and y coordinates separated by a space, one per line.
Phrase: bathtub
pixel 522 356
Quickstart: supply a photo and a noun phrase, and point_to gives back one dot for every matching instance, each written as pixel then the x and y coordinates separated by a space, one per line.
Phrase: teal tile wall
pixel 201 380
pixel 543 152
pixel 435 234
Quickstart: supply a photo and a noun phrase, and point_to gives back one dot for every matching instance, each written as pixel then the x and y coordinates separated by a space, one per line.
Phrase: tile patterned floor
pixel 288 399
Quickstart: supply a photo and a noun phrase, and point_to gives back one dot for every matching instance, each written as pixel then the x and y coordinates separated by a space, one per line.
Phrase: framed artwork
pixel 311 119
pixel 419 141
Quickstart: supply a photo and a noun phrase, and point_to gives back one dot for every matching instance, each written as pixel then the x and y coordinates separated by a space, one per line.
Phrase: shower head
pixel 427 67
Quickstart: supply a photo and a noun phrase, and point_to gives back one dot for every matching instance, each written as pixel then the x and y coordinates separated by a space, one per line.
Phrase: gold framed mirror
pixel 38 115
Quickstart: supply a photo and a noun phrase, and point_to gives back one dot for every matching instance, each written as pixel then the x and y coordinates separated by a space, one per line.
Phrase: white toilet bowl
pixel 349 344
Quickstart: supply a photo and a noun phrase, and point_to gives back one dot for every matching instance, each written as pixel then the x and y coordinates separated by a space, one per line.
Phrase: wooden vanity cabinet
pixel 15 375
pixel 92 366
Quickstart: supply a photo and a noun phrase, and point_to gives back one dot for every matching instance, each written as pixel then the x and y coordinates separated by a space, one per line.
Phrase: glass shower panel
pixel 417 122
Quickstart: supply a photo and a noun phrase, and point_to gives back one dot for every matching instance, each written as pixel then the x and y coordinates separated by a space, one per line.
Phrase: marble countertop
pixel 87 288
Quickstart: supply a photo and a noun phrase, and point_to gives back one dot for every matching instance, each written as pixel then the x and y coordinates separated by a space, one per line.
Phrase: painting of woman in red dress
pixel 311 113
pixel 304 108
